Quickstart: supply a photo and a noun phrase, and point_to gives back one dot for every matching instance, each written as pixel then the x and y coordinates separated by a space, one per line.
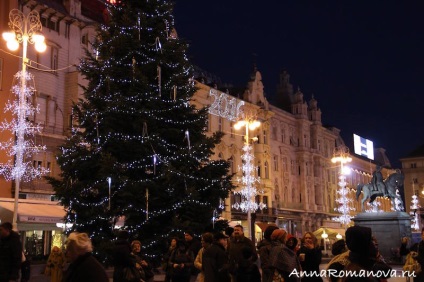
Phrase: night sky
pixel 362 60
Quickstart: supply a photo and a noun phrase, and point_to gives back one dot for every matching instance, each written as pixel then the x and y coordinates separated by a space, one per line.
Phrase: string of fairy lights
pixel 129 93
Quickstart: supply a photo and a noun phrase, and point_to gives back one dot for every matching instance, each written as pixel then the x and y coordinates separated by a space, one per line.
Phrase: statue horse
pixel 392 183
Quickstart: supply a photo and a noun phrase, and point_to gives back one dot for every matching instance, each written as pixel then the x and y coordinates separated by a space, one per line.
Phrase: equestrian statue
pixel 380 187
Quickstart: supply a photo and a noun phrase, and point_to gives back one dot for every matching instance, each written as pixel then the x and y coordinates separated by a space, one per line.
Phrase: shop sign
pixel 39 219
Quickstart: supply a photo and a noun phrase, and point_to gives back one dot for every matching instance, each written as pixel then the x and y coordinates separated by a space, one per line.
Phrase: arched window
pixel 220 155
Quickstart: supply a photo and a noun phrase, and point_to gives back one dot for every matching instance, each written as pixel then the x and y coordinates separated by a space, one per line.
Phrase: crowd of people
pixel 221 257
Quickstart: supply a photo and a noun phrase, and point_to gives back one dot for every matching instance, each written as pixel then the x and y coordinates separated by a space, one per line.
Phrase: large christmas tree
pixel 136 127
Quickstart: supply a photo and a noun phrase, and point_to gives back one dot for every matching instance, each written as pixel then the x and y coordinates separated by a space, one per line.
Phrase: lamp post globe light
pixel 341 155
pixel 324 237
pixel 23 30
pixel 248 190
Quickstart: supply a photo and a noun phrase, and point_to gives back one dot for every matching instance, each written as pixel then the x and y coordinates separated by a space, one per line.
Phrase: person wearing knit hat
pixel 291 242
pixel 264 249
pixel 283 259
pixel 279 234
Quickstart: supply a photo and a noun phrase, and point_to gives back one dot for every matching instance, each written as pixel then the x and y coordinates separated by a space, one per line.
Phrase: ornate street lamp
pixel 24 30
pixel 248 191
pixel 341 155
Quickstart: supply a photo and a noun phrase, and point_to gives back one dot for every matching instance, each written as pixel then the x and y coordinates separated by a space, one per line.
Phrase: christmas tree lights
pixel 136 125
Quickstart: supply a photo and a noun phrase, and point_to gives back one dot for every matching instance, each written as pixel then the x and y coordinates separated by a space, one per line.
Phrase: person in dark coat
pixel 215 260
pixel 167 256
pixel 247 271
pixel 237 243
pixel 181 262
pixel 146 269
pixel 310 257
pixel 10 253
pixel 194 246
pixel 404 250
pixel 264 249
pixel 122 257
pixel 84 267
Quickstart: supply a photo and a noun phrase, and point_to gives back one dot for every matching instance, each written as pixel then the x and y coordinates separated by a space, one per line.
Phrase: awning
pixel 264 225
pixel 32 211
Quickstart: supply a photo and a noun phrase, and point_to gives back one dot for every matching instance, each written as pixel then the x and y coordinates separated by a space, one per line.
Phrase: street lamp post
pixel 248 192
pixel 341 155
pixel 24 30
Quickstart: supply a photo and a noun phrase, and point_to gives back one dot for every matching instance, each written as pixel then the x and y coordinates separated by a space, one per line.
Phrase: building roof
pixel 418 152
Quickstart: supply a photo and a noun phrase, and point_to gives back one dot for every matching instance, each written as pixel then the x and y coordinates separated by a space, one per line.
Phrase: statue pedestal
pixel 388 228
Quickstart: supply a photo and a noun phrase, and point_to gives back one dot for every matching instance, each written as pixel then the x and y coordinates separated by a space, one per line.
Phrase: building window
pixel 413 165
pixel 40 117
pixel 221 156
pixel 265 201
pixel 84 39
pixel 264 132
pixel 266 167
pixel 274 133
pixel 67 30
pixel 50 24
pixel 54 58
pixel 259 169
pixel 220 124
pixel 275 162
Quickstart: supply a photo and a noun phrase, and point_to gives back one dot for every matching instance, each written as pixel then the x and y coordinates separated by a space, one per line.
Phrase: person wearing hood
pixel 264 249
pixel 362 255
pixel 10 253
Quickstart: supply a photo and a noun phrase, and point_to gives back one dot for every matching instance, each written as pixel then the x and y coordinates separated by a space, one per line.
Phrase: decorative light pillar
pixel 248 191
pixel 415 206
pixel 341 155
pixel 24 30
